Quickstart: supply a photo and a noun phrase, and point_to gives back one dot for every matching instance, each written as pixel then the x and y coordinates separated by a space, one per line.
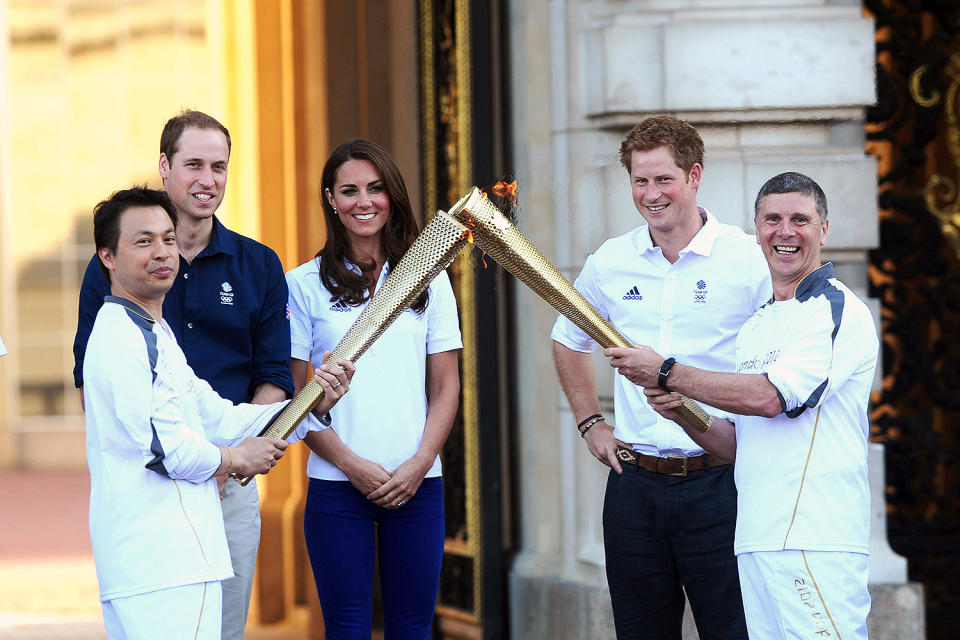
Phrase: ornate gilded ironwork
pixel 446 83
pixel 496 235
pixel 913 133
pixel 432 252
pixel 941 190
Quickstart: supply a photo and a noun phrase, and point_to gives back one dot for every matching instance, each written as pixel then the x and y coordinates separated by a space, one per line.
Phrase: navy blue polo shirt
pixel 227 309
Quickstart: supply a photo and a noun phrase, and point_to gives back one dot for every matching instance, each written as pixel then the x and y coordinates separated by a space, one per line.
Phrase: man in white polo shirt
pixel 685 283
pixel 806 363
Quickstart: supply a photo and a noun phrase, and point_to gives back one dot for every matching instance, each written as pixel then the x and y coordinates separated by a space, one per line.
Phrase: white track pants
pixel 808 595
pixel 188 612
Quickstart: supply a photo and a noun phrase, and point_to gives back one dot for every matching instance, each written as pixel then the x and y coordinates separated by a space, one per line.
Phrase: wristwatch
pixel 664 372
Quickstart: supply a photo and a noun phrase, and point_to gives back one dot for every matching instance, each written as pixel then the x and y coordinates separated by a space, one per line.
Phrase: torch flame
pixel 470 223
pixel 506 190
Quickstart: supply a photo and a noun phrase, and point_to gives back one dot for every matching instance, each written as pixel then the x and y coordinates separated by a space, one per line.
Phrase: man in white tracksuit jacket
pixel 158 436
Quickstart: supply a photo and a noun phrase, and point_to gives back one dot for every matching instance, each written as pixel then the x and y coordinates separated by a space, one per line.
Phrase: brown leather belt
pixel 671 465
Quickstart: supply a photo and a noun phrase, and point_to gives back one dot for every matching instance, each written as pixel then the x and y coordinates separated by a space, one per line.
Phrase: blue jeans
pixel 343 529
pixel 663 534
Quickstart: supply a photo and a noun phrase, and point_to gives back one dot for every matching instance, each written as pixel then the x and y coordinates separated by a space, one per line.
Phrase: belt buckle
pixel 683 471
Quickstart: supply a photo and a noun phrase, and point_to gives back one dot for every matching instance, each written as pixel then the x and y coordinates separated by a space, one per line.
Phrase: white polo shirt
pixel 383 416
pixel 802 476
pixel 690 310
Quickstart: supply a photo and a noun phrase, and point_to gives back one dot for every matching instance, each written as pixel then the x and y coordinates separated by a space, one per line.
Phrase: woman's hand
pixel 402 485
pixel 335 380
pixel 366 476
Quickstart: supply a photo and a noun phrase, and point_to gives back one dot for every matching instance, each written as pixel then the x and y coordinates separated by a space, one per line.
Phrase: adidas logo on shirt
pixel 633 294
pixel 340 305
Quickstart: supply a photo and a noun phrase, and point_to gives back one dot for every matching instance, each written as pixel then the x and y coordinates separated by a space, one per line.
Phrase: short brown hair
pixel 170 137
pixel 679 136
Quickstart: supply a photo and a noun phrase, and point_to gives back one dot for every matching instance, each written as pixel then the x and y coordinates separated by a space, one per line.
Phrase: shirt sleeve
pixel 145 408
pixel 443 323
pixel 271 336
pixel 225 423
pixel 92 291
pixel 566 332
pixel 181 452
pixel 301 325
pixel 802 371
pixel 308 424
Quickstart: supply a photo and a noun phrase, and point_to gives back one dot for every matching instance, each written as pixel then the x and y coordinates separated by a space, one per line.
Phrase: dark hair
pixel 170 138
pixel 675 134
pixel 397 236
pixel 106 216
pixel 793 182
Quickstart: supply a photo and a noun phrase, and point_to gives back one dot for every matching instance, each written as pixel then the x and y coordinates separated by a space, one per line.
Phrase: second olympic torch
pixel 432 252
pixel 498 237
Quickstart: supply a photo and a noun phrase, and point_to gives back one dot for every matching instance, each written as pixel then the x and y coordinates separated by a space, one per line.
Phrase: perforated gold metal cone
pixel 496 235
pixel 432 252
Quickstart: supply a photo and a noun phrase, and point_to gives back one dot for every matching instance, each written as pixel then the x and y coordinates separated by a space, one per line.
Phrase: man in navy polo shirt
pixel 227 310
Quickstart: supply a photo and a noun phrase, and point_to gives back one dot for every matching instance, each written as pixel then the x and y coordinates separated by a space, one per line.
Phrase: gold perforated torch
pixel 432 252
pixel 499 238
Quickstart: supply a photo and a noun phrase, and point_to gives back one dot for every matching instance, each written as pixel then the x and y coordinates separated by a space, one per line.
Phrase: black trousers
pixel 666 534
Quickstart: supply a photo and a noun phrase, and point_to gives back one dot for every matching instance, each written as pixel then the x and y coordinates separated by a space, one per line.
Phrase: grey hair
pixel 793 182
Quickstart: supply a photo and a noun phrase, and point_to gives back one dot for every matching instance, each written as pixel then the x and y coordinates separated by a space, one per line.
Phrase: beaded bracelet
pixel 588 419
pixel 593 421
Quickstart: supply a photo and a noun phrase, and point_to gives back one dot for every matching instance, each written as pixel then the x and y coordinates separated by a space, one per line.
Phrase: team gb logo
pixel 226 293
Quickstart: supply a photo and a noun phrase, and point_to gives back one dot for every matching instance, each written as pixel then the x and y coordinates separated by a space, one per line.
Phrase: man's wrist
pixel 664 373
pixel 587 423
pixel 323 417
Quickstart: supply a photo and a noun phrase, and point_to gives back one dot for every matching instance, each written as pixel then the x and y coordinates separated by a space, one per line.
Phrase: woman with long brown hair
pixel 375 484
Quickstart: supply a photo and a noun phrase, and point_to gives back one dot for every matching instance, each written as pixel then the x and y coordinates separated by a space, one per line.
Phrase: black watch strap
pixel 664 372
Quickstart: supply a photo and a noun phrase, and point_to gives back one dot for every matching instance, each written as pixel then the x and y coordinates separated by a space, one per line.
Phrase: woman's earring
pixel 335 212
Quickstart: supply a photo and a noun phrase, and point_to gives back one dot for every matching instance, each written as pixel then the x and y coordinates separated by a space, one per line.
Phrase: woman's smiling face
pixel 360 198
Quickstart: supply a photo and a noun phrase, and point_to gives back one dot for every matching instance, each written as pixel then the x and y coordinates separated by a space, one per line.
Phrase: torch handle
pixel 694 414
pixel 287 419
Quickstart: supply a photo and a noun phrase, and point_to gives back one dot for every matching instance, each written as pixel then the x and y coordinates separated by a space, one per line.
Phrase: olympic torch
pixel 432 252
pixel 499 238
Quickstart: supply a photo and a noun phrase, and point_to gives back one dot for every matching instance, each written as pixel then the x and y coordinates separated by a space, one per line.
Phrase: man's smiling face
pixel 664 194
pixel 195 177
pixel 790 232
